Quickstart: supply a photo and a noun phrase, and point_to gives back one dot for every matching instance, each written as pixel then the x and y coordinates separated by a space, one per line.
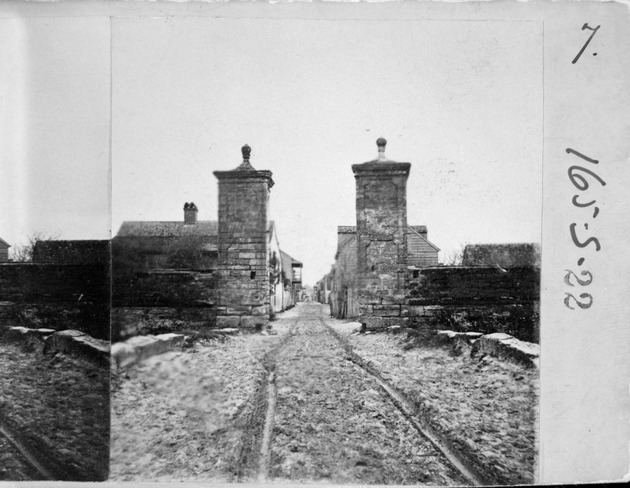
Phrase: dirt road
pixel 333 421
pixel 58 406
pixel 288 406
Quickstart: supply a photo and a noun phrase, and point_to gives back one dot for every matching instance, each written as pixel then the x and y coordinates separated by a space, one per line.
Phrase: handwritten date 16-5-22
pixel 579 177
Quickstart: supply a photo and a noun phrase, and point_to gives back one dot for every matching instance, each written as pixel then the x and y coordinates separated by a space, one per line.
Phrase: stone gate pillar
pixel 381 204
pixel 243 285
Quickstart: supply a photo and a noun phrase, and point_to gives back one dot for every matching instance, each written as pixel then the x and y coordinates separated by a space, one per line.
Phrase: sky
pixel 460 100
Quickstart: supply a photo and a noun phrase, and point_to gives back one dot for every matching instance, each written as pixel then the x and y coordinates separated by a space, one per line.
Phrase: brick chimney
pixel 190 213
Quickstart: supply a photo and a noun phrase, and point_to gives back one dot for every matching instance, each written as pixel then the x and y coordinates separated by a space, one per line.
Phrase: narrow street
pixel 334 422
pixel 286 406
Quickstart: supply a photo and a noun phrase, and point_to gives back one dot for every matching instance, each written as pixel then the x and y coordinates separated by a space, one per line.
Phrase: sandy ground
pixel 60 405
pixel 13 466
pixel 188 415
pixel 486 408
pixel 334 424
pixel 199 414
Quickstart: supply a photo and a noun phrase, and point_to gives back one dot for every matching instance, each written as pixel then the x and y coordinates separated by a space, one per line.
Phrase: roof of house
pixel 417 230
pixel 287 264
pixel 289 259
pixel 4 243
pixel 203 228
pixel 208 229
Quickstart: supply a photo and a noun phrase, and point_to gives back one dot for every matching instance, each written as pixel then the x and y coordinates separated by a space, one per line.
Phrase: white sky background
pixel 54 128
pixel 460 100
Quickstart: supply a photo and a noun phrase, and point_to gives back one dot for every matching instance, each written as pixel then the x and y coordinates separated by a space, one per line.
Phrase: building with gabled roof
pixel 4 250
pixel 184 244
pixel 192 244
pixel 342 280
pixel 292 268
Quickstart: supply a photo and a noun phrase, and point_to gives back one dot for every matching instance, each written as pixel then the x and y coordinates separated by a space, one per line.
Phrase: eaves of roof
pixel 423 238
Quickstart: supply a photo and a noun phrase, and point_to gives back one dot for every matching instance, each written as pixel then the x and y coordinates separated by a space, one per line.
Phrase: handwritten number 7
pixel 584 27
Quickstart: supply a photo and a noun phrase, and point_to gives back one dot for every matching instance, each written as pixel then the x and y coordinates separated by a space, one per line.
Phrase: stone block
pixel 389 307
pixel 228 321
pixel 253 297
pixel 398 322
pixel 449 336
pixel 77 343
pixel 386 310
pixel 372 323
pixel 43 332
pixel 136 349
pixel 17 334
pixel 262 310
pixel 231 331
pixel 505 346
pixel 33 338
pixel 365 309
pixel 238 310
pixel 254 321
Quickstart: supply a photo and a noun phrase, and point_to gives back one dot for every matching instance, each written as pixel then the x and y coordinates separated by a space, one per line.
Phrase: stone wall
pixel 72 252
pixel 164 252
pixel 133 321
pixel 504 255
pixel 480 299
pixel 159 301
pixel 166 288
pixel 56 296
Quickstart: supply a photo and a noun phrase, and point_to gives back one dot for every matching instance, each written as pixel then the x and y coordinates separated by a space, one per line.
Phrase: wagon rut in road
pixel 333 422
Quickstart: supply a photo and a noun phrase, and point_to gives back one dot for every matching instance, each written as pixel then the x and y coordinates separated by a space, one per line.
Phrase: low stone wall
pixel 519 320
pixel 499 345
pixel 162 301
pixel 56 296
pixel 71 342
pixel 165 288
pixel 135 349
pixel 481 299
pixel 133 321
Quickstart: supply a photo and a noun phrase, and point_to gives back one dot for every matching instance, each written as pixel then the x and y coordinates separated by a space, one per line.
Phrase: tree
pixel 454 257
pixel 24 253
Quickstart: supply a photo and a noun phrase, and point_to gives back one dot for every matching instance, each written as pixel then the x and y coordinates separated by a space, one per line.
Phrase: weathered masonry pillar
pixel 381 239
pixel 243 287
